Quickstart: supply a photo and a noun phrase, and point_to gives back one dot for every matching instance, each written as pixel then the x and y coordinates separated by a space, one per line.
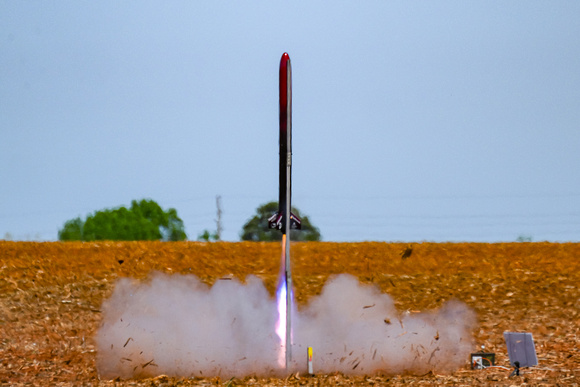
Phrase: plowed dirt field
pixel 51 295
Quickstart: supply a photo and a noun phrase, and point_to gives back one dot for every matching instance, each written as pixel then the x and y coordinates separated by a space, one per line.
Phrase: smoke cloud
pixel 178 326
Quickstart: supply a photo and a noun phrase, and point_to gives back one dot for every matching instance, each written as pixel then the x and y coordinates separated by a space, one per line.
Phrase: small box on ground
pixel 481 360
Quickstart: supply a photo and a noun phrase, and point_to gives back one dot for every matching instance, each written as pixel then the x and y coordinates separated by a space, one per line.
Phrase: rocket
pixel 284 220
pixel 279 220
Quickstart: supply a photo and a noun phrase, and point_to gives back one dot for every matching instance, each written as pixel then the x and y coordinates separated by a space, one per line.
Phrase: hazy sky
pixel 439 121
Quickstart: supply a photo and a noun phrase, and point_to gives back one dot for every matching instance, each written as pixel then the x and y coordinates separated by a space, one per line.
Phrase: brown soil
pixel 51 293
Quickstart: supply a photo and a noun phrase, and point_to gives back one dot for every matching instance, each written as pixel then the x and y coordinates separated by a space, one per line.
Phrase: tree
pixel 72 230
pixel 256 229
pixel 145 220
pixel 206 236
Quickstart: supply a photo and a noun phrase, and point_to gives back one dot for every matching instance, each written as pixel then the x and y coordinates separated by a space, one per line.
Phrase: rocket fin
pixel 295 222
pixel 276 221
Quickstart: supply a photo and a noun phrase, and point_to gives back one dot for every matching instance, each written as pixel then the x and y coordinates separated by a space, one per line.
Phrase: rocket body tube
pixel 285 175
pixel 279 219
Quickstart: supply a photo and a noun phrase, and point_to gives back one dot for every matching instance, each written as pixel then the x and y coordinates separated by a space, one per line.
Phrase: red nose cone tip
pixel 285 57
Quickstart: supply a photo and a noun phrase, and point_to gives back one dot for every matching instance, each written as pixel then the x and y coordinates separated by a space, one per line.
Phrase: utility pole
pixel 218 220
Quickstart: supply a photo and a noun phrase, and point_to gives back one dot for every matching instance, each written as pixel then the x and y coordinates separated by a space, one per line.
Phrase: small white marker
pixel 310 369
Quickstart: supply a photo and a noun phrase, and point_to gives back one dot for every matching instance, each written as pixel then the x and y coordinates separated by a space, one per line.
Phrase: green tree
pixel 206 236
pixel 145 220
pixel 72 230
pixel 524 238
pixel 256 229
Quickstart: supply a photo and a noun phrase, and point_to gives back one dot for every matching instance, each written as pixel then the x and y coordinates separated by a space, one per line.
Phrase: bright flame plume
pixel 284 301
pixel 281 322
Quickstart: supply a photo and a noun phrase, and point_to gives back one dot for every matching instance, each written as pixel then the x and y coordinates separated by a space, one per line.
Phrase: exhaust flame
pixel 283 301
pixel 281 322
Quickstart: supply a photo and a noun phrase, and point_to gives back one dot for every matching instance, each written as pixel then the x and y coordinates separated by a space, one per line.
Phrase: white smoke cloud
pixel 178 326
pixel 355 329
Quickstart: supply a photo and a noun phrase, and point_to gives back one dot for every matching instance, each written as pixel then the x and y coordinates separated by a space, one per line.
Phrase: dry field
pixel 51 294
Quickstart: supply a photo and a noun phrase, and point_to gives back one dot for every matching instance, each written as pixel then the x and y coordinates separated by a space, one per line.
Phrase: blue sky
pixel 439 121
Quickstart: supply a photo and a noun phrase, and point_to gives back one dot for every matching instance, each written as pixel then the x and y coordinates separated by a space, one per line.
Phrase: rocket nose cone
pixel 285 57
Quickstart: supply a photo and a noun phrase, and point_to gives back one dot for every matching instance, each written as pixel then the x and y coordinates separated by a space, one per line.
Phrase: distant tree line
pixel 146 220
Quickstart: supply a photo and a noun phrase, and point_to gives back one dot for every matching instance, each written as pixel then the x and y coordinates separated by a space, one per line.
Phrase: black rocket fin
pixel 295 222
pixel 276 221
